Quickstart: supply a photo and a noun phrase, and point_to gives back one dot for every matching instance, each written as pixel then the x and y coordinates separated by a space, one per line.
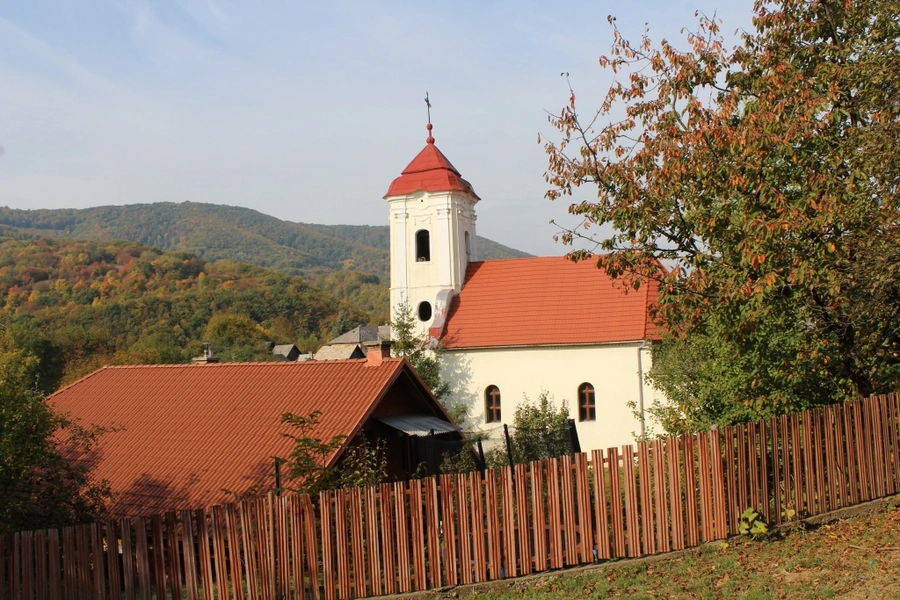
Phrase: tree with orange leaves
pixel 757 183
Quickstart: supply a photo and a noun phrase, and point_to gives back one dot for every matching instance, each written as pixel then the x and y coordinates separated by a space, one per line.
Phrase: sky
pixel 305 111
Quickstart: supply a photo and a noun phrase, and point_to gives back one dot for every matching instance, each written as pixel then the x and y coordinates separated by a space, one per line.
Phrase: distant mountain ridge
pixel 218 232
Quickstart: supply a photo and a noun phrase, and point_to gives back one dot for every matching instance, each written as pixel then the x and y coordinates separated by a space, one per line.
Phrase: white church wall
pixel 614 370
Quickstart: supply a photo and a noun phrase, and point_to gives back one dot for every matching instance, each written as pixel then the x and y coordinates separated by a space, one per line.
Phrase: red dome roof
pixel 429 171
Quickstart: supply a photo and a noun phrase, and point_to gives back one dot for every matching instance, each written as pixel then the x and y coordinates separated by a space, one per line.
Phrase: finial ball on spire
pixel 430 139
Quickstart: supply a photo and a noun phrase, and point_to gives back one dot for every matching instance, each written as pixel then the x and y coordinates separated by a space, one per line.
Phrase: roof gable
pixel 546 301
pixel 189 431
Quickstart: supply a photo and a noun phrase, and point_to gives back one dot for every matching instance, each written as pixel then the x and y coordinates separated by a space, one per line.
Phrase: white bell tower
pixel 432 213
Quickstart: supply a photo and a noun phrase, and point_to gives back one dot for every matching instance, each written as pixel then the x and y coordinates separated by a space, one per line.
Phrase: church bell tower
pixel 432 215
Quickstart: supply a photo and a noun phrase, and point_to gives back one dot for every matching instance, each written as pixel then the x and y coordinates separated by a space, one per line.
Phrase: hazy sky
pixel 302 110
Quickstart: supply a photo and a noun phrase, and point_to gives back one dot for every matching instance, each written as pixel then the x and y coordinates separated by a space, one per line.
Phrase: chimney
pixel 377 351
pixel 207 357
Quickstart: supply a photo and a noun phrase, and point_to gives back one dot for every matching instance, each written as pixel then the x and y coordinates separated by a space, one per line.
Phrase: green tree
pixel 758 186
pixel 539 430
pixel 41 486
pixel 412 347
pixel 361 464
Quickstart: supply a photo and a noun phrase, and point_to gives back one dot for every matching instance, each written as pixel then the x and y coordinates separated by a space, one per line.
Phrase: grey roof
pixel 364 333
pixel 339 352
pixel 418 425
pixel 286 351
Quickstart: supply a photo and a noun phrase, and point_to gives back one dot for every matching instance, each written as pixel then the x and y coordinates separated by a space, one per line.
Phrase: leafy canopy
pixel 41 483
pixel 759 186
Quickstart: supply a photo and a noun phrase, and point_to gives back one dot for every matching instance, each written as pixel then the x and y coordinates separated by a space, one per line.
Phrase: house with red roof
pixel 179 435
pixel 516 328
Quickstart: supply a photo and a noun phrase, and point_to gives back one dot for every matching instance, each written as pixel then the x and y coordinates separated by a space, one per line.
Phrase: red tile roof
pixel 546 301
pixel 190 430
pixel 429 171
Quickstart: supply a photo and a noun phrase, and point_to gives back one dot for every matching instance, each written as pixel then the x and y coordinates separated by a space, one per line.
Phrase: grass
pixel 852 559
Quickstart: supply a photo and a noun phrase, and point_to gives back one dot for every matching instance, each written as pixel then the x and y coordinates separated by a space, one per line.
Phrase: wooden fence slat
pixel 567 490
pixel 449 514
pixel 648 538
pixel 248 524
pixel 880 462
pixel 53 564
pixel 85 587
pixel 28 566
pixel 821 451
pixel 539 516
pixel 831 472
pixel 523 520
pixel 329 575
pixel 765 466
pixel 707 527
pixel 659 495
pixel 554 516
pixel 173 556
pixel 387 539
pixel 417 522
pixel 310 546
pixel 356 535
pixel 402 531
pixel 283 534
pixel 796 454
pixel 479 551
pixel 809 465
pixel 205 551
pixel 99 562
pixel 776 468
pixel 894 436
pixel 70 563
pixel 492 524
pixel 42 574
pixel 601 514
pixel 373 548
pixel 862 451
pixel 342 544
pixel 583 514
pixel 433 531
pixel 294 522
pixel 886 446
pixel 673 457
pixel 721 517
pixel 508 511
pixel 753 461
pixel 734 510
pixel 142 558
pixel 632 517
pixel 191 578
pixel 463 497
pixel 219 531
pixel 239 579
pixel 128 569
pixel 743 469
pixel 690 492
pixel 617 506
pixel 158 555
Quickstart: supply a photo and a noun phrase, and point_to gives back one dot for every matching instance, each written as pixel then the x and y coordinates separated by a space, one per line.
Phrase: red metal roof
pixel 546 301
pixel 188 431
pixel 429 171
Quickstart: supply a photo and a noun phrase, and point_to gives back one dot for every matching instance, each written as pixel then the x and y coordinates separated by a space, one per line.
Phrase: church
pixel 515 328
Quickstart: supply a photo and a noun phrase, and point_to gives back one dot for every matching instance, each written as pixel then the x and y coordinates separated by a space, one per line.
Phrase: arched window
pixel 492 404
pixel 423 246
pixel 587 406
pixel 468 249
pixel 424 311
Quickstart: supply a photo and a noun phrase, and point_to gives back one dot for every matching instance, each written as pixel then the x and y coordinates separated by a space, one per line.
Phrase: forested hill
pixel 350 262
pixel 79 305
pixel 215 232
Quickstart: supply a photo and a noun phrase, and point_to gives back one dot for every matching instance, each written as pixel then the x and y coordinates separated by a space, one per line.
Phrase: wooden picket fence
pixel 459 529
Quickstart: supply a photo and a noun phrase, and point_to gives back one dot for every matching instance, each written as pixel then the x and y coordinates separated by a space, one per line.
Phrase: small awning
pixel 418 425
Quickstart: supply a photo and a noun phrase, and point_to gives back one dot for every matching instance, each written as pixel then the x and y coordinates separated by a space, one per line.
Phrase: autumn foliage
pixel 760 186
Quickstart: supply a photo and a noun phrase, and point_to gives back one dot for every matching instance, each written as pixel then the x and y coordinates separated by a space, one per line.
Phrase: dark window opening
pixel 468 249
pixel 492 404
pixel 424 311
pixel 423 246
pixel 587 407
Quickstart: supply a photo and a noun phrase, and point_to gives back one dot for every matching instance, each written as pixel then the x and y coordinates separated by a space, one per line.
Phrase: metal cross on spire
pixel 428 104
